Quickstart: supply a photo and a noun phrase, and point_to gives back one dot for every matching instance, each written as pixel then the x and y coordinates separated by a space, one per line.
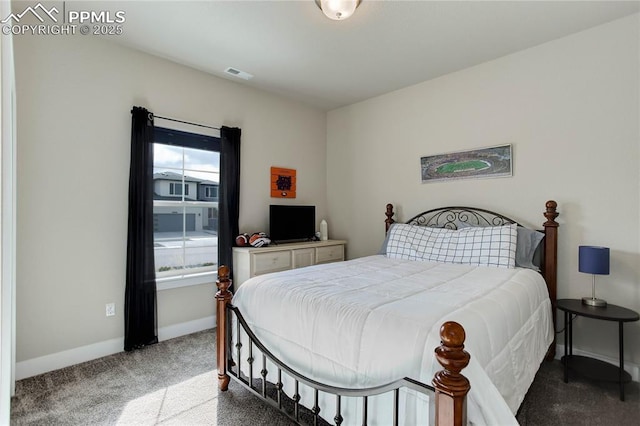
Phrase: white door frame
pixel 7 222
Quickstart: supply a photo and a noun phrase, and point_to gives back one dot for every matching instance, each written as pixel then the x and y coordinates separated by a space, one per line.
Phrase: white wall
pixel 570 109
pixel 74 96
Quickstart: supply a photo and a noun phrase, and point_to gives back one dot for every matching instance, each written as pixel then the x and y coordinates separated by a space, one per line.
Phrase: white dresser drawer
pixel 274 261
pixel 303 257
pixel 330 254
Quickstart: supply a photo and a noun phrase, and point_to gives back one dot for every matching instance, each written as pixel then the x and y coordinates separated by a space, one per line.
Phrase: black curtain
pixel 140 312
pixel 229 197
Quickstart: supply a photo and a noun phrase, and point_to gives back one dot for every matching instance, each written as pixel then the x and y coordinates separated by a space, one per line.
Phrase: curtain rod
pixel 186 122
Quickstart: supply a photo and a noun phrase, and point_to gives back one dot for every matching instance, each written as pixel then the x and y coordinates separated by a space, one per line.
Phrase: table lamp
pixel 593 260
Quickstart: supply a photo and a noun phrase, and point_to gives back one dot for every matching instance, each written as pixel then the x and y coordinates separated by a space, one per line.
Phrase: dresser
pixel 251 261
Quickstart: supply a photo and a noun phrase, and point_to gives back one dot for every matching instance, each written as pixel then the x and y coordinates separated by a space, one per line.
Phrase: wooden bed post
pixel 389 220
pixel 451 386
pixel 223 298
pixel 551 264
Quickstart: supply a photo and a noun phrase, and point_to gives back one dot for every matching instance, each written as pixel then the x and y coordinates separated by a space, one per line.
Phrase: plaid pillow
pixel 489 246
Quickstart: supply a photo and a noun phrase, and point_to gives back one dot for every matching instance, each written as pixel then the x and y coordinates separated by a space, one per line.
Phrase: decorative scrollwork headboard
pixel 453 217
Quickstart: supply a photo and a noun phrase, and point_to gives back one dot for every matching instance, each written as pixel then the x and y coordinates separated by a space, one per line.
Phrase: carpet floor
pixel 175 383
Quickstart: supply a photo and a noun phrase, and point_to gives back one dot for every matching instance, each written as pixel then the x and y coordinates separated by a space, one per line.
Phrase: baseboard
pixel 177 330
pixel 43 364
pixel 631 368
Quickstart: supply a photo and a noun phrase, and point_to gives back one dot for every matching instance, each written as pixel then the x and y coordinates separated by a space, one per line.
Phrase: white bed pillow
pixel 488 246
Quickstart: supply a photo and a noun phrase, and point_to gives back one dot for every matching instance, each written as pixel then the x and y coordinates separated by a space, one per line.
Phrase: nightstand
pixel 589 367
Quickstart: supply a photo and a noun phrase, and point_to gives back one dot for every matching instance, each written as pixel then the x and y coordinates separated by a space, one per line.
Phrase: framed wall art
pixel 489 162
pixel 283 182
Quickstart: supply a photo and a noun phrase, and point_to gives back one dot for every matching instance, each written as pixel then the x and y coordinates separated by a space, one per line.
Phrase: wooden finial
pixel 223 282
pixel 551 213
pixel 451 386
pixel 389 220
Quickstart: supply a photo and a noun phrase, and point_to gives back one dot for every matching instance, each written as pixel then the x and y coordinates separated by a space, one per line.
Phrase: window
pixel 185 217
pixel 211 192
pixel 176 189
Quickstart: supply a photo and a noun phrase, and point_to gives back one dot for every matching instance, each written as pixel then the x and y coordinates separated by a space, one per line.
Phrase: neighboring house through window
pixel 186 178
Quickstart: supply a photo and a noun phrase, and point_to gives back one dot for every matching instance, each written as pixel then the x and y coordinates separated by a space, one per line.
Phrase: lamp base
pixel 592 301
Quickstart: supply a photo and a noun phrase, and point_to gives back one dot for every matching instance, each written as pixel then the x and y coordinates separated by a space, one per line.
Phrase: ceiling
pixel 293 50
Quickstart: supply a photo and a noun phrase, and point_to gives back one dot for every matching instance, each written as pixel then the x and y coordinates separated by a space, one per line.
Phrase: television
pixel 289 223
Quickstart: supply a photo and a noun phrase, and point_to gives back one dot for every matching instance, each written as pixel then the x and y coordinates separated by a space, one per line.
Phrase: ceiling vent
pixel 237 73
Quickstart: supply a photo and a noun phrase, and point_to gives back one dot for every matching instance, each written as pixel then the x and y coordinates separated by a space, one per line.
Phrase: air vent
pixel 237 73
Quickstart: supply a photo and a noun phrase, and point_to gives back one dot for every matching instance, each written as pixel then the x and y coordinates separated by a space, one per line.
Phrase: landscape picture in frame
pixel 478 163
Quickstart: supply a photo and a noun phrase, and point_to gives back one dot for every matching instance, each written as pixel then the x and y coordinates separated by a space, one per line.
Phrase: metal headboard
pixel 452 217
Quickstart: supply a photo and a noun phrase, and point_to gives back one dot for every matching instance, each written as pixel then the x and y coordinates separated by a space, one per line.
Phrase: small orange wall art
pixel 283 183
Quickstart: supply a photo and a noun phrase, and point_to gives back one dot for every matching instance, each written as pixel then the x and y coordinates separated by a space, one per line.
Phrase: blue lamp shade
pixel 593 260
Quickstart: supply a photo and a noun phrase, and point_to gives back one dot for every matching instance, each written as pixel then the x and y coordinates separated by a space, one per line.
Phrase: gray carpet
pixel 175 382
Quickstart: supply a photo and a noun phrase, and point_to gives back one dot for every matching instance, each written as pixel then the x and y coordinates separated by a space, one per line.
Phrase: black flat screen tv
pixel 291 223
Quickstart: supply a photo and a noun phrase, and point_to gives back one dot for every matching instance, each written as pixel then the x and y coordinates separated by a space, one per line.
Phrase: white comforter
pixel 373 320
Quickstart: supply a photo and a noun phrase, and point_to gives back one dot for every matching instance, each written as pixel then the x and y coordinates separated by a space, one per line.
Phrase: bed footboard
pixel 449 385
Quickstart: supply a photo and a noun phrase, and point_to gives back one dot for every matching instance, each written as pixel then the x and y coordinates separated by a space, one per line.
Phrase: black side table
pixel 589 367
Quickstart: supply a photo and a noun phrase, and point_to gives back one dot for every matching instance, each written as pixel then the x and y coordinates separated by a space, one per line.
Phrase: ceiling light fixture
pixel 338 10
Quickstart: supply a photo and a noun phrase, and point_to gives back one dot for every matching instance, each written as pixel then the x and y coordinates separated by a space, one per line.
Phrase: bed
pixel 354 341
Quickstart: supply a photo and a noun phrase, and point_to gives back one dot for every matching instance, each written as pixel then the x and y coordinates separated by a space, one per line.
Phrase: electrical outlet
pixel 111 309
